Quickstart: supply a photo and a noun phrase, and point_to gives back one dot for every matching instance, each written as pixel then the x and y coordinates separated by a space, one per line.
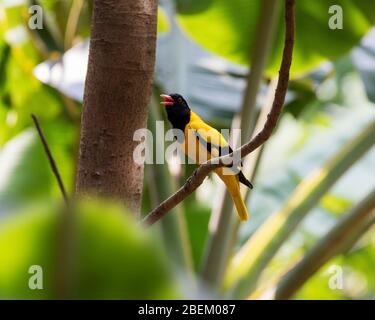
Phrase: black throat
pixel 179 118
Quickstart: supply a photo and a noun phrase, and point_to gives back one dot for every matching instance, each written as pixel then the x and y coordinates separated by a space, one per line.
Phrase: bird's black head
pixel 177 109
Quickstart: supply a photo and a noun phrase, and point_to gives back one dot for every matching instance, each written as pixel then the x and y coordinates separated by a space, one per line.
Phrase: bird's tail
pixel 240 207
pixel 233 186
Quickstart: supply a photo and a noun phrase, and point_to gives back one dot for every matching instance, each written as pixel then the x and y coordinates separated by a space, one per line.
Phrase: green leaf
pixel 227 28
pixel 197 218
pixel 111 256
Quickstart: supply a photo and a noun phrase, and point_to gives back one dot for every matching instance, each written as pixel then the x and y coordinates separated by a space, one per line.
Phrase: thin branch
pixel 51 159
pixel 198 176
pixel 65 231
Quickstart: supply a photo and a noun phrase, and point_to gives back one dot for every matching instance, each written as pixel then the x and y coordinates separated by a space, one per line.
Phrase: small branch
pixel 197 178
pixel 65 232
pixel 50 159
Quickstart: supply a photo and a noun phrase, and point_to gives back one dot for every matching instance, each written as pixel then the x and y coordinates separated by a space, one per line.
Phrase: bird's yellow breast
pixel 197 135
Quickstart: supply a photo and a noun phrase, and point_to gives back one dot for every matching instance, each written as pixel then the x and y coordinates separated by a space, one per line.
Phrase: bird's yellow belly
pixel 195 151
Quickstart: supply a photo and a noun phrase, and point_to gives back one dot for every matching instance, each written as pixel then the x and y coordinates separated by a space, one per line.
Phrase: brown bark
pixel 117 93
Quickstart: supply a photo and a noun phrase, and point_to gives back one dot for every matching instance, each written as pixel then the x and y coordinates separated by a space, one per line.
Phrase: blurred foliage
pixel 112 257
pixel 25 171
pixel 266 241
pixel 163 23
pixel 228 27
pixel 327 105
pixel 197 218
pixel 364 59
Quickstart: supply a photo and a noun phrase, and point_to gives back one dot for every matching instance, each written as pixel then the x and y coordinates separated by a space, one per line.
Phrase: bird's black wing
pixel 241 176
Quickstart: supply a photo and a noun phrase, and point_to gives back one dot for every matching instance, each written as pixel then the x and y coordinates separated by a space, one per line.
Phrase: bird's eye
pixel 179 100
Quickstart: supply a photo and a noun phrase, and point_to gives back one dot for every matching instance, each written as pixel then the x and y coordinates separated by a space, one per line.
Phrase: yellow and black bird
pixel 202 142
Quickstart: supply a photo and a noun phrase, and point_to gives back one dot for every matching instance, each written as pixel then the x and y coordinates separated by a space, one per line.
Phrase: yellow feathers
pixel 201 143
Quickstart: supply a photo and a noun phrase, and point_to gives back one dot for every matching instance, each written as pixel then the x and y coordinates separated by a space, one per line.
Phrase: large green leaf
pixel 111 256
pixel 227 28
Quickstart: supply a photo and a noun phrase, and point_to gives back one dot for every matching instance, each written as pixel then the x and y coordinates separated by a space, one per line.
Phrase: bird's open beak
pixel 168 100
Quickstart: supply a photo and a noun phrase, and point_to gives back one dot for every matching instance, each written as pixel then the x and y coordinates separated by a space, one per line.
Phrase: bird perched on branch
pixel 202 142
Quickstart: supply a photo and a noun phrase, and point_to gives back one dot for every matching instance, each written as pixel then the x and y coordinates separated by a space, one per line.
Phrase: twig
pixel 50 159
pixel 198 176
pixel 65 232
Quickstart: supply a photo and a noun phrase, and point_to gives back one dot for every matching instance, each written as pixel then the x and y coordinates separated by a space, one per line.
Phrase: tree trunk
pixel 117 93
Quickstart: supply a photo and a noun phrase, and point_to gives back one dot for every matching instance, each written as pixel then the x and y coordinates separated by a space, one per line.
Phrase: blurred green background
pixel 313 206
